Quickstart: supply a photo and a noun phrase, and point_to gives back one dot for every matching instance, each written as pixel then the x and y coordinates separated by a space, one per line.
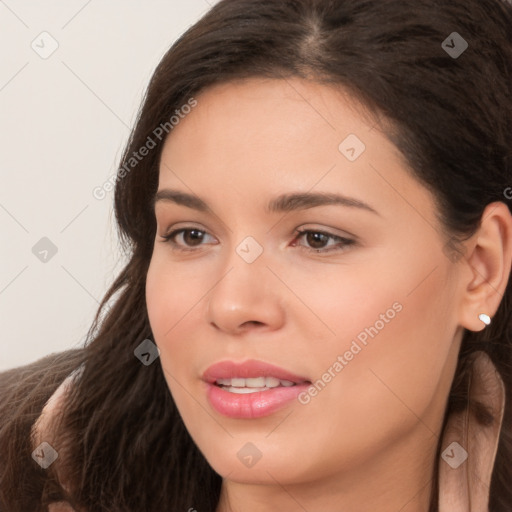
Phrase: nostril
pixel 253 322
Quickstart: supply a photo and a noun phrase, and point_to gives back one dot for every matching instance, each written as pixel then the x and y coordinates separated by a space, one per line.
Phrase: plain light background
pixel 64 121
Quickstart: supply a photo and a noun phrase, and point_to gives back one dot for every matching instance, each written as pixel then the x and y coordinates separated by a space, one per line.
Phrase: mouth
pixel 254 384
pixel 251 389
pixel 251 374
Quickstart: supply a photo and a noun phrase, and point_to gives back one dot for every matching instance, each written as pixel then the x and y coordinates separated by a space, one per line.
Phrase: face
pixel 353 301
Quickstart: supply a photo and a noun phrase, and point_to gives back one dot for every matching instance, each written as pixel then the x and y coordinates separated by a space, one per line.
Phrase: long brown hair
pixel 126 447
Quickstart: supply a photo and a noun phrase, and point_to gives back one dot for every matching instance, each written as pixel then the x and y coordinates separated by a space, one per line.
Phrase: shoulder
pixel 25 391
pixel 42 435
pixel 41 429
pixel 53 407
pixel 50 370
pixel 44 426
pixel 43 432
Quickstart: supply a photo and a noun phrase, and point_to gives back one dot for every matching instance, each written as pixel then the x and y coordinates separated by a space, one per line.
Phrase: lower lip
pixel 252 405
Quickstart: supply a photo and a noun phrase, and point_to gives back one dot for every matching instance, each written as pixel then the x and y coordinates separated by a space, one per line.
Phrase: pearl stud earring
pixel 485 318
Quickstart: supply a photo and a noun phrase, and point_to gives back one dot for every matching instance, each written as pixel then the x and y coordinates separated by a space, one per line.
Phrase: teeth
pixel 257 382
pixel 272 382
pixel 252 384
pixel 245 390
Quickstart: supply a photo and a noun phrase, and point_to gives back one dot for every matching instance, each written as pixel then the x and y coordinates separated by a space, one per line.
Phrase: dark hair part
pixel 126 446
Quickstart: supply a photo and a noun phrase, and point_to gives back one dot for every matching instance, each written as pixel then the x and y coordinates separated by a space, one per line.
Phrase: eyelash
pixel 169 239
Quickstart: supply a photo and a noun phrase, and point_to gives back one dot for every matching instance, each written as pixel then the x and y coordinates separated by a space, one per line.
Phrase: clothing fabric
pixel 469 446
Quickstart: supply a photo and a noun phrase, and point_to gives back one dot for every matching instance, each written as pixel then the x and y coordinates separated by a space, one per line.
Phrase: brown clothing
pixel 23 393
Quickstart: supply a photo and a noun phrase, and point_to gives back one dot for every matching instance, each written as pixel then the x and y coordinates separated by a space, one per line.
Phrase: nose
pixel 248 296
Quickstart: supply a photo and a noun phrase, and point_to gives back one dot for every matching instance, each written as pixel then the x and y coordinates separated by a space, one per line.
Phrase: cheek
pixel 171 293
pixel 158 293
pixel 174 304
pixel 394 360
pixel 167 301
pixel 173 298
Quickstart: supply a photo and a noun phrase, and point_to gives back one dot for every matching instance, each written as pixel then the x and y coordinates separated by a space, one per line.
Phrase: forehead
pixel 257 107
pixel 262 137
pixel 270 124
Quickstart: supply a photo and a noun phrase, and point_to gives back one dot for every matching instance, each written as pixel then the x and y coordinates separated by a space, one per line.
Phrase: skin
pixel 367 441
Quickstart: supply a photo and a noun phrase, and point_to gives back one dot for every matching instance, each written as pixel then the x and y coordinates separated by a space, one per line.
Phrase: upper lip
pixel 248 369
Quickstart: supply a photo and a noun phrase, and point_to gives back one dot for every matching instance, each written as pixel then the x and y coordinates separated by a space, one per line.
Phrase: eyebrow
pixel 282 203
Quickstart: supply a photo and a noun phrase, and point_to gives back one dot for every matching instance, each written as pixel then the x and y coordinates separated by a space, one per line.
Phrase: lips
pixel 251 389
pixel 251 369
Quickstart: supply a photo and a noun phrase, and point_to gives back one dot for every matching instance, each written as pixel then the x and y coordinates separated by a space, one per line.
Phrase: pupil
pixel 314 238
pixel 193 234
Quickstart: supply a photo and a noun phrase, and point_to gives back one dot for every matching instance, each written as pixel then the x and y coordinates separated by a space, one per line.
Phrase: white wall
pixel 64 120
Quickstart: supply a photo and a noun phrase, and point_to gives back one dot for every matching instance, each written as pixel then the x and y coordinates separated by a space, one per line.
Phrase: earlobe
pixel 489 263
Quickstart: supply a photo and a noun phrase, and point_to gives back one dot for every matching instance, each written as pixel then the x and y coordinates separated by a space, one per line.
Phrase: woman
pixel 316 314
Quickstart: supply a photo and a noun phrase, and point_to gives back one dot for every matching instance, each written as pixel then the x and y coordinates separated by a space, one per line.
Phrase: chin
pixel 255 462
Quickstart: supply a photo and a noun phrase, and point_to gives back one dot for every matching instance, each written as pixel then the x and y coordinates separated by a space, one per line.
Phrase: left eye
pixel 319 237
pixel 193 237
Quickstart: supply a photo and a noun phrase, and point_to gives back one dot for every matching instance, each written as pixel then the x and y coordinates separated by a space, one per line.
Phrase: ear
pixel 489 261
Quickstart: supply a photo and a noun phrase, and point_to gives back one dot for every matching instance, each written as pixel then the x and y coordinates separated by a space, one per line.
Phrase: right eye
pixel 192 235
